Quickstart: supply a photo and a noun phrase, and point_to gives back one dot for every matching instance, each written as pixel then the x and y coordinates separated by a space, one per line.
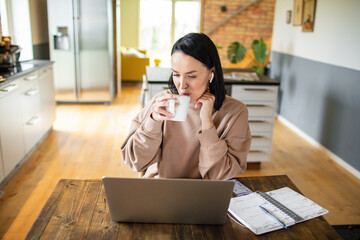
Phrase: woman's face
pixel 190 76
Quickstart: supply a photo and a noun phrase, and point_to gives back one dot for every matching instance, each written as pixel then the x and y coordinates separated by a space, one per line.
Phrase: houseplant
pixel 260 53
pixel 236 53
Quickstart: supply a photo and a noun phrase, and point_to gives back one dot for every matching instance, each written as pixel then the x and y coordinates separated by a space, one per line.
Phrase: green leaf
pixel 258 70
pixel 260 50
pixel 236 52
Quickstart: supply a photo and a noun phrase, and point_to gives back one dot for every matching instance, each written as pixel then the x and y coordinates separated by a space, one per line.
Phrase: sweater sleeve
pixel 141 147
pixel 225 157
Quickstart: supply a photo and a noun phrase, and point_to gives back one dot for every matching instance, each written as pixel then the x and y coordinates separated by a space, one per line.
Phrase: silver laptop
pixel 183 201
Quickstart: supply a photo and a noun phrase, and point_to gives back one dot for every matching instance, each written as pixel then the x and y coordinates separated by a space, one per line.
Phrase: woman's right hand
pixel 159 112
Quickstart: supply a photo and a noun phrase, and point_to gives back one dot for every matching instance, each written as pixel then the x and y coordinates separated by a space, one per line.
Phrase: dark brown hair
pixel 200 47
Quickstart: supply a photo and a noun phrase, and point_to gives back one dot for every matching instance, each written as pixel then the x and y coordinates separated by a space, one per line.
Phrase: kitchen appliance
pixel 9 54
pixel 9 58
pixel 81 45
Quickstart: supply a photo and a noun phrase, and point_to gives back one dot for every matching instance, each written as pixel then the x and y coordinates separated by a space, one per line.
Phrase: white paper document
pixel 246 209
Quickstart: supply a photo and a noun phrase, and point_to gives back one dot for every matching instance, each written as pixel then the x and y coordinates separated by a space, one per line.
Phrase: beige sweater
pixel 169 149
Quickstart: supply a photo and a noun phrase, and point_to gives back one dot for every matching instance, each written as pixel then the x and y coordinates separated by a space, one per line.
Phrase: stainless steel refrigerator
pixel 81 45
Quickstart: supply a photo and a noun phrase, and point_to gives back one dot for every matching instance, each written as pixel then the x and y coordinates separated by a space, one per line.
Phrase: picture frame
pixel 288 16
pixel 308 16
pixel 298 13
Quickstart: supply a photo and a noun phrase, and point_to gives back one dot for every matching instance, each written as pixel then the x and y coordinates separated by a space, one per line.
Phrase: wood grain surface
pixel 77 209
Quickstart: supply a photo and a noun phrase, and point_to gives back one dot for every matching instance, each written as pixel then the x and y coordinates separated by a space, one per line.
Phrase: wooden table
pixel 77 209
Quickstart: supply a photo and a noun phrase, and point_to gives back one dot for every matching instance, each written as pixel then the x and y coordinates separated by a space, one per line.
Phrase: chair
pixel 144 95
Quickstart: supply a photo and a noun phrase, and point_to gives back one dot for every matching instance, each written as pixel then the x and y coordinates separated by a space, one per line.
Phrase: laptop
pixel 181 201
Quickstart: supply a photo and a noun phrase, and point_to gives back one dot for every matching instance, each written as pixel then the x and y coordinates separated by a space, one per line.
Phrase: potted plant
pixel 236 53
pixel 260 53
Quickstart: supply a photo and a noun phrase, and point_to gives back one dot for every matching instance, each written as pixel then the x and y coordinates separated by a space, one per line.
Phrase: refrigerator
pixel 81 41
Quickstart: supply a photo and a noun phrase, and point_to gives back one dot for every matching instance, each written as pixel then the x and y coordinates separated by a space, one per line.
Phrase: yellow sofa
pixel 133 67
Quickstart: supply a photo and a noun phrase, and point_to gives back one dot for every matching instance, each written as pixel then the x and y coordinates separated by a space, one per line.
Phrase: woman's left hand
pixel 206 102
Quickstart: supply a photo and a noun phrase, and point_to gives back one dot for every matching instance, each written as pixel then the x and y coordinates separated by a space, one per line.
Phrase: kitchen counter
pixel 263 80
pixel 260 97
pixel 27 99
pixel 21 69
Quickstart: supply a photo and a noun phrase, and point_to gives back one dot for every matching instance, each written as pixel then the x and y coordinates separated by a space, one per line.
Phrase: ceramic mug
pixel 181 109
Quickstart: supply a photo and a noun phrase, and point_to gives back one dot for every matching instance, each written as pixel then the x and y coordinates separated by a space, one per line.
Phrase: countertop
pixel 21 69
pixel 263 80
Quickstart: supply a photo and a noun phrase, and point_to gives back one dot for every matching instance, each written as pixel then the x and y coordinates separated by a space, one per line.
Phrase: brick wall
pixel 253 23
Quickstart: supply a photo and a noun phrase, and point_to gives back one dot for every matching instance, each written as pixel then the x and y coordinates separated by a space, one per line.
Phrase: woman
pixel 212 143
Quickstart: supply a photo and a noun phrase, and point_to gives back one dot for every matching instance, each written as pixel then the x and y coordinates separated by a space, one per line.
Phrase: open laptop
pixel 183 201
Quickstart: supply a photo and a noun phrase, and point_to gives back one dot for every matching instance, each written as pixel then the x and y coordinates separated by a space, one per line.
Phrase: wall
pixel 39 28
pixel 130 23
pixel 253 23
pixel 320 75
pixel 334 36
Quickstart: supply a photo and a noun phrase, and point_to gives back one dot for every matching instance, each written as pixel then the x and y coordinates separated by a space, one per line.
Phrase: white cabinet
pixel 260 101
pixel 155 88
pixel 27 108
pixel 31 110
pixel 11 132
pixel 158 78
pixel 47 97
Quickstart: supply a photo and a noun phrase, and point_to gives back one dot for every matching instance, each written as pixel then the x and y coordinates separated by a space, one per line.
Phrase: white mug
pixel 181 110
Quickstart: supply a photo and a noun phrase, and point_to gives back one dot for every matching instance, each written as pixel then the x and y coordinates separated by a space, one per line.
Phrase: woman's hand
pixel 159 112
pixel 206 102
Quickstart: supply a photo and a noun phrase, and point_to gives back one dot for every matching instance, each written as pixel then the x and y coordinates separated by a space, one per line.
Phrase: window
pixel 15 22
pixel 4 19
pixel 187 18
pixel 162 22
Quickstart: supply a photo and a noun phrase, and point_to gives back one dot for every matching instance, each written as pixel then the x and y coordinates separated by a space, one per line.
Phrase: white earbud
pixel 212 77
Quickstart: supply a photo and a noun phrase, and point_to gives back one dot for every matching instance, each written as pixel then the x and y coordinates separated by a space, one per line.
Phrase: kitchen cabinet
pixel 47 97
pixel 11 131
pixel 157 78
pixel 260 101
pixel 154 88
pixel 260 98
pixel 31 110
pixel 27 106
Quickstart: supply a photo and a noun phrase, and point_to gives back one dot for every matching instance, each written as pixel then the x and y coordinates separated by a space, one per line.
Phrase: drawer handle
pixel 257 121
pixel 256 105
pixel 256 151
pixel 30 78
pixel 258 137
pixel 31 92
pixel 166 88
pixel 257 89
pixel 33 121
pixel 8 88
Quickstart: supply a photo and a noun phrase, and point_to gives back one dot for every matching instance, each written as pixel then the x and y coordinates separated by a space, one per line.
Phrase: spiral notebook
pixel 285 204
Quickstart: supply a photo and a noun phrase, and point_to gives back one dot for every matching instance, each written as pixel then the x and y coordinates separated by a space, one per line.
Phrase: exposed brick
pixel 253 23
